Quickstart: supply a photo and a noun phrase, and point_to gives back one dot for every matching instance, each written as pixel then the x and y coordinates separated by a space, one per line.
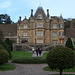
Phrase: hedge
pixel 32 60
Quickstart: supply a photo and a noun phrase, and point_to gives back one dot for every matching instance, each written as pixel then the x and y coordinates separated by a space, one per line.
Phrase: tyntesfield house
pixel 40 28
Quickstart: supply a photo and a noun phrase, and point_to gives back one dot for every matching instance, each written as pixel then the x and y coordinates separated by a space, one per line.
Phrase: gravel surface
pixel 29 69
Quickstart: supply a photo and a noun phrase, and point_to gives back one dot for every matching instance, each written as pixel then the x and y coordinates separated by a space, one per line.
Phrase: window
pixel 39 16
pixel 61 26
pixel 25 33
pixel 61 33
pixel 54 26
pixel 40 33
pixel 39 41
pixel 39 25
pixel 25 26
pixel 55 42
pixel 54 34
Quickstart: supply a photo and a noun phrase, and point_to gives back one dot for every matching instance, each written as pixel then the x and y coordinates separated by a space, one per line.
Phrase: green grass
pixel 7 67
pixel 65 70
pixel 45 54
pixel 20 54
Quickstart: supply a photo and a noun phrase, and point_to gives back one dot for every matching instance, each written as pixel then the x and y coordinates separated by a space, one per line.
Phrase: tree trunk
pixel 61 71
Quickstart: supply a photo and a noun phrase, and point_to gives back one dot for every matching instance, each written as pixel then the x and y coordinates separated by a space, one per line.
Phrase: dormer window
pixel 39 16
pixel 25 26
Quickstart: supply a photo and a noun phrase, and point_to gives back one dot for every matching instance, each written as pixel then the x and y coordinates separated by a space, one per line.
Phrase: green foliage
pixel 9 43
pixel 1 37
pixel 6 46
pixel 67 23
pixel 31 60
pixel 61 58
pixel 4 56
pixel 1 47
pixel 5 19
pixel 69 43
pixel 6 67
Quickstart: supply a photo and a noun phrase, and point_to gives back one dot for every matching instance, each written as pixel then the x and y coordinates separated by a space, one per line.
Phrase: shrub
pixel 32 60
pixel 6 46
pixel 9 43
pixel 1 47
pixel 69 43
pixel 4 56
pixel 61 58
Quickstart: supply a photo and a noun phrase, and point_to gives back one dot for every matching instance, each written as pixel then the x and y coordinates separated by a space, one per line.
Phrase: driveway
pixel 29 69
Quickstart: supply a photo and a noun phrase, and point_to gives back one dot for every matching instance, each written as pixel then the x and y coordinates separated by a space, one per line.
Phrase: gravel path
pixel 30 69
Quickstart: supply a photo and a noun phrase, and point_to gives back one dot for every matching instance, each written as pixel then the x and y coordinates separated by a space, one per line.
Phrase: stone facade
pixel 40 28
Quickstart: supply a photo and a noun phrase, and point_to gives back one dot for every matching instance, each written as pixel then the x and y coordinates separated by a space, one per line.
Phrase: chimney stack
pixel 47 12
pixel 31 12
pixel 20 18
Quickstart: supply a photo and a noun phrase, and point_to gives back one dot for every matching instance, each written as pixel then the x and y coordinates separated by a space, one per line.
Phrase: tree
pixel 67 23
pixel 1 37
pixel 69 43
pixel 4 56
pixel 5 19
pixel 9 43
pixel 61 58
pixel 4 44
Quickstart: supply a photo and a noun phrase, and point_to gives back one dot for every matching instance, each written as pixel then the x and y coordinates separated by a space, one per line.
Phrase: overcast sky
pixel 16 8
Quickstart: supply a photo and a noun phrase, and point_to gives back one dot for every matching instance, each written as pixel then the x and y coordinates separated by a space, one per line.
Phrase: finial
pixel 39 4
pixel 61 16
pixel 25 17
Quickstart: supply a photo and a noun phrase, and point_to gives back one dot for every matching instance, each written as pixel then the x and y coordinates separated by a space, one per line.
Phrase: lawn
pixel 7 67
pixel 45 54
pixel 65 70
pixel 20 54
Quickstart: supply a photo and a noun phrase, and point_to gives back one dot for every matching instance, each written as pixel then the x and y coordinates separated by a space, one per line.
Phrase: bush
pixel 61 58
pixel 6 46
pixel 69 43
pixel 1 47
pixel 9 43
pixel 32 60
pixel 4 56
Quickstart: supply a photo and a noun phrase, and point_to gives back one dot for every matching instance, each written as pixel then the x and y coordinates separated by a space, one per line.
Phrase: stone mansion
pixel 40 28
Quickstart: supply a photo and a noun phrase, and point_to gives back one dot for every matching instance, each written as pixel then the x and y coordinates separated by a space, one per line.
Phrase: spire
pixel 61 16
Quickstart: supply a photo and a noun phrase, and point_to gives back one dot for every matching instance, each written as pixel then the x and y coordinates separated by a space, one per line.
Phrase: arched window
pixel 39 16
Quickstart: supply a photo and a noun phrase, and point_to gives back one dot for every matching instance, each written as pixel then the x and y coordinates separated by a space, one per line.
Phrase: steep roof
pixel 40 9
pixel 9 28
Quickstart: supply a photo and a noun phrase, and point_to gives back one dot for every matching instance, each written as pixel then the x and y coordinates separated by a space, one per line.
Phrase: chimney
pixel 20 18
pixel 31 12
pixel 47 12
